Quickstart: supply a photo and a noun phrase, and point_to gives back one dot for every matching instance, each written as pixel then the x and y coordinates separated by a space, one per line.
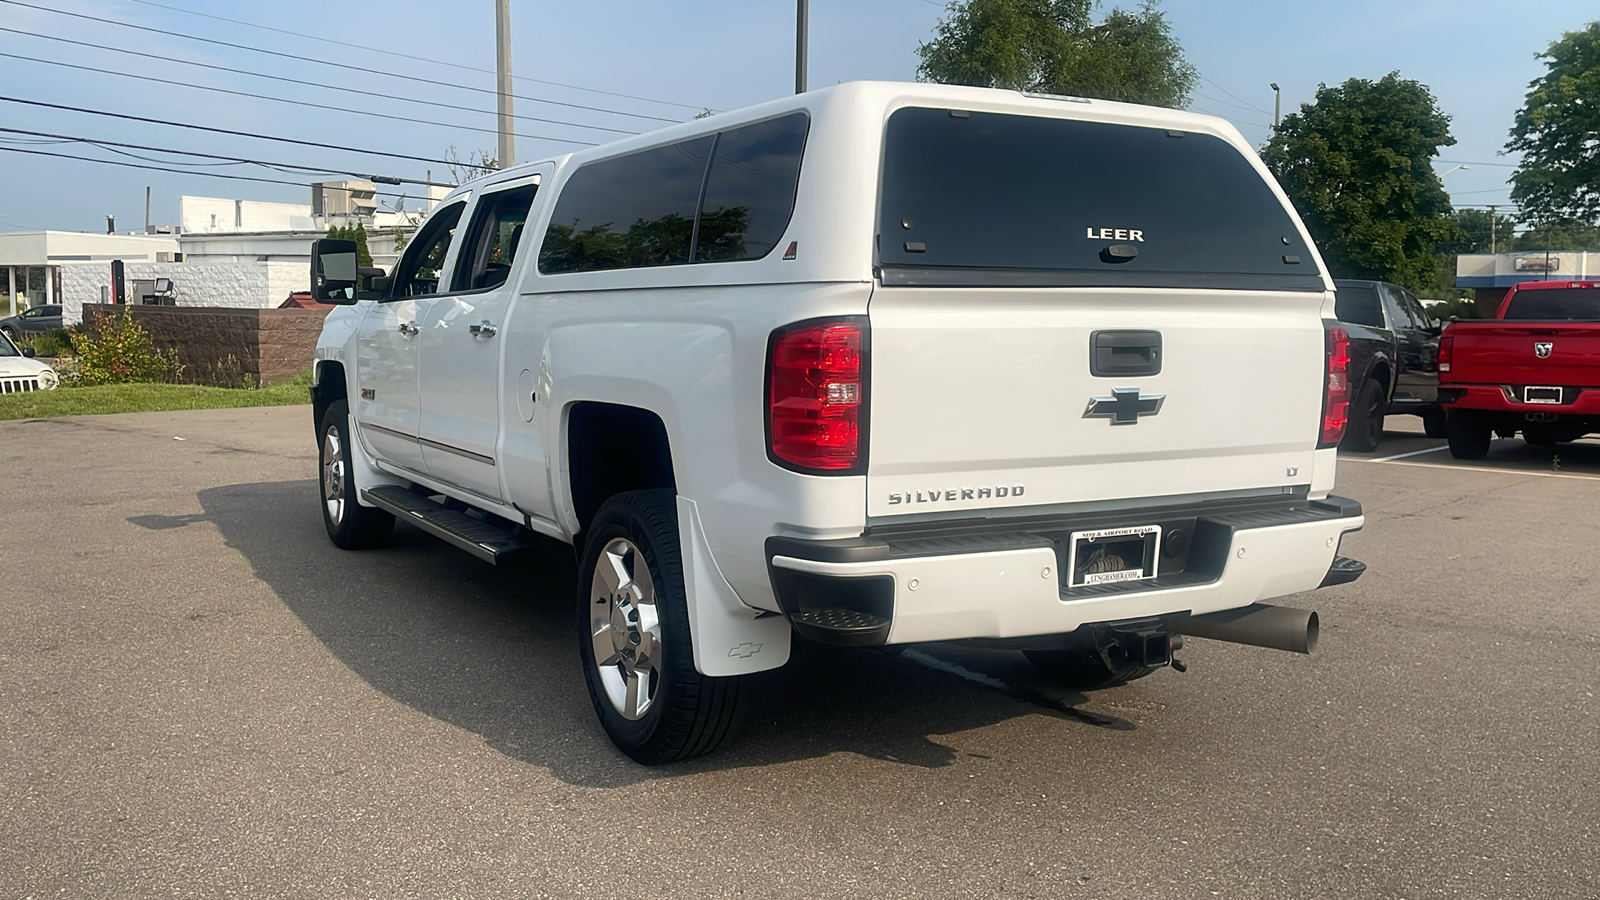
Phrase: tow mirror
pixel 333 271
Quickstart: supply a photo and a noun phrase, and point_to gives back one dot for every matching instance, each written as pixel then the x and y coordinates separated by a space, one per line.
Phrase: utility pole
pixel 800 13
pixel 505 152
pixel 1491 228
pixel 147 209
pixel 1277 104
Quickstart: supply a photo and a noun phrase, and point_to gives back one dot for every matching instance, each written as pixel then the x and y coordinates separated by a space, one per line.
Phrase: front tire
pixel 1468 432
pixel 350 525
pixel 633 620
pixel 1366 418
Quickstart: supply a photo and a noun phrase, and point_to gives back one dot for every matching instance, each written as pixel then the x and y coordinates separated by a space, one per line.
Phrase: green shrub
pixel 116 350
pixel 1461 308
pixel 56 342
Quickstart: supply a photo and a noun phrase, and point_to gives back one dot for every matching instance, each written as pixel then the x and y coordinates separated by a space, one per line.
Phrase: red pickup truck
pixel 1534 369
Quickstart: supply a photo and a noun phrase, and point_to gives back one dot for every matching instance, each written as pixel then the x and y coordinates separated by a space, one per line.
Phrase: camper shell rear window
pixel 976 198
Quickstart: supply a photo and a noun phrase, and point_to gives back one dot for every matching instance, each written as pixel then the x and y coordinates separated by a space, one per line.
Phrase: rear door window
pixel 1556 304
pixel 493 239
pixel 989 198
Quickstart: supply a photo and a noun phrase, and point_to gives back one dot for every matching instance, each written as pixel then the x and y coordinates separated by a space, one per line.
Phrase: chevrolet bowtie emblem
pixel 1124 406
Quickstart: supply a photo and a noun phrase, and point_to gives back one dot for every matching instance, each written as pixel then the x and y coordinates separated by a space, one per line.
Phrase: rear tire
pixel 633 623
pixel 1366 418
pixel 1433 422
pixel 1469 433
pixel 350 525
pixel 9 332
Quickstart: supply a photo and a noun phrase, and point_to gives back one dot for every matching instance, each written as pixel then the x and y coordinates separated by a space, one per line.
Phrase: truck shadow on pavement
pixel 494 651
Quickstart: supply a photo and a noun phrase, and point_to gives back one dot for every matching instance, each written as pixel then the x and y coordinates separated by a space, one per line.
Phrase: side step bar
pixel 488 542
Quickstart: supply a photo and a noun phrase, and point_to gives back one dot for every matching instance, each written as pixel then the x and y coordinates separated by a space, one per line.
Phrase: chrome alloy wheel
pixel 625 627
pixel 333 474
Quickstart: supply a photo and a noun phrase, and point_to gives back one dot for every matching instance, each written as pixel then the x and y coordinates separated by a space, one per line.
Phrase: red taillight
pixel 814 395
pixel 1445 342
pixel 1336 389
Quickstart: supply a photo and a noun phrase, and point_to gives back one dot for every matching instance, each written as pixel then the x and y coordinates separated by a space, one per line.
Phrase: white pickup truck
pixel 875 364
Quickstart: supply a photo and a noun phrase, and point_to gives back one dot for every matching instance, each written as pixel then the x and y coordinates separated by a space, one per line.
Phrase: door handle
pixel 408 329
pixel 482 329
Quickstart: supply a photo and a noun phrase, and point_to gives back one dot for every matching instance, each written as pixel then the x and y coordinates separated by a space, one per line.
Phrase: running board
pixel 489 542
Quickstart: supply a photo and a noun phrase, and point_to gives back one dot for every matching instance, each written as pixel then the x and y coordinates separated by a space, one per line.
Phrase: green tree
pixel 1475 234
pixel 1053 46
pixel 1357 163
pixel 1558 132
pixel 1563 234
pixel 363 255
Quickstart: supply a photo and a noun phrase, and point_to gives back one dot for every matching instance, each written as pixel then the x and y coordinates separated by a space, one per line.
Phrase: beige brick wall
pixel 221 346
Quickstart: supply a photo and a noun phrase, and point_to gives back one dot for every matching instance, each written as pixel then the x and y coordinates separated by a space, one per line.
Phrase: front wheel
pixel 350 525
pixel 633 619
pixel 1469 433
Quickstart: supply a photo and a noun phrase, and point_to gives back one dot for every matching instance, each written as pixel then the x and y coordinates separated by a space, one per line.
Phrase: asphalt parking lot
pixel 201 697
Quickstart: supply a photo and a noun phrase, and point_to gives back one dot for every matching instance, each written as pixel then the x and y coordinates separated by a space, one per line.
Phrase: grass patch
pixel 127 398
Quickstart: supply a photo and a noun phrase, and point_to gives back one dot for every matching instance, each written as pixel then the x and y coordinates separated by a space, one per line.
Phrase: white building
pixel 33 263
pixel 234 253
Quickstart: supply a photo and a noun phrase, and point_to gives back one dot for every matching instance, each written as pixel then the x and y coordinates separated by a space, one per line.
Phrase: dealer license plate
pixel 1113 555
pixel 1540 394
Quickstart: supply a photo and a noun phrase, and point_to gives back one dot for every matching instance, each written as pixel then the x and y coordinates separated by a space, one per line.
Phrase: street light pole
pixel 801 9
pixel 1277 104
pixel 505 150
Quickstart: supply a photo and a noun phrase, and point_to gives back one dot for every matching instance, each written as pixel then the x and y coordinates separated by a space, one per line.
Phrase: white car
pixel 20 372
pixel 875 364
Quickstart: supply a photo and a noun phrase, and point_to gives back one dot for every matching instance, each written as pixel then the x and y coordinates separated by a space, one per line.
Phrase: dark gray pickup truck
pixel 1394 359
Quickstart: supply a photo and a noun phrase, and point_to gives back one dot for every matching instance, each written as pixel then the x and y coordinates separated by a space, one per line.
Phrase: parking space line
pixel 1461 468
pixel 1404 455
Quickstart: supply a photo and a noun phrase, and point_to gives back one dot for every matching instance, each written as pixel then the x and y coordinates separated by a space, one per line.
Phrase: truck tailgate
pixel 1524 353
pixel 984 398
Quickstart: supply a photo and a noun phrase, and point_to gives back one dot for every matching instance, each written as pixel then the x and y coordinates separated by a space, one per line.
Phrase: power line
pixel 1468 162
pixel 230 160
pixel 115 162
pixel 227 131
pixel 439 62
pixel 1226 103
pixel 305 103
pixel 1193 108
pixel 322 62
pixel 1247 103
pixel 288 80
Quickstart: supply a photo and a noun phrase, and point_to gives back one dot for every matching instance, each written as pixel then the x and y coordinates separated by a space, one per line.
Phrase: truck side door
pixel 460 347
pixel 386 407
pixel 1418 380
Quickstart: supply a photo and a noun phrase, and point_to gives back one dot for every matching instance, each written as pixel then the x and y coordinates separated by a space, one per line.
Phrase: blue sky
pixel 1477 57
